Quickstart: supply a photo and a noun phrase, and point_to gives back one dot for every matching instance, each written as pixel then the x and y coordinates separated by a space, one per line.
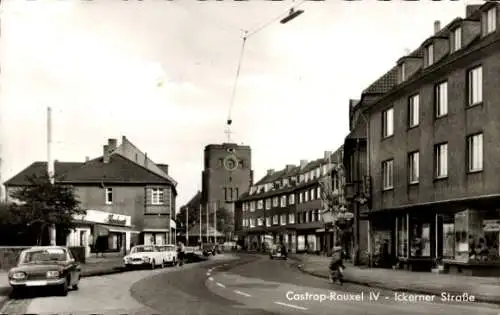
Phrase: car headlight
pixel 18 275
pixel 53 274
pixel 146 259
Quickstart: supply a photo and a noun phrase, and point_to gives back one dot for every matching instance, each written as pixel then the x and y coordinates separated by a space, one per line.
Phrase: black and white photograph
pixel 249 157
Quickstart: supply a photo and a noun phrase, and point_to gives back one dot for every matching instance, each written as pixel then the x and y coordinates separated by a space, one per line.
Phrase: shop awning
pixel 103 230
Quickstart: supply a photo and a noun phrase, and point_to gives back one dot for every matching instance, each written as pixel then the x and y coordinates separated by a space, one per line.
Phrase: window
pixel 260 221
pixel 301 197
pixel 283 219
pixel 109 196
pixel 456 36
pixel 387 173
pixel 312 191
pixel 325 169
pixel 291 218
pixel 491 20
pixel 475 152
pixel 318 192
pixel 318 172
pixel 283 201
pixel 268 203
pixel 403 72
pixel 157 196
pixel 402 236
pixel 429 55
pixel 275 202
pixel 244 222
pixel 441 93
pixel 268 221
pixel 285 181
pixel 413 167
pixel 275 219
pixel 306 196
pixel 252 222
pixel 291 199
pixel 388 122
pixel 252 206
pixel 414 111
pixel 306 176
pixel 475 91
pixel 441 154
pixel 244 206
pixel 260 204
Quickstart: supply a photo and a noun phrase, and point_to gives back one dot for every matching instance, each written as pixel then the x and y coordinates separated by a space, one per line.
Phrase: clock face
pixel 231 163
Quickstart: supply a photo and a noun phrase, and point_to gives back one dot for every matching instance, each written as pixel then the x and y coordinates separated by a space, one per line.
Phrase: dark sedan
pixel 47 267
pixel 278 252
pixel 209 249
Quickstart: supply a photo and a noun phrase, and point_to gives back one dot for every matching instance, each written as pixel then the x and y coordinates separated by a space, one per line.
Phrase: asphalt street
pixel 250 285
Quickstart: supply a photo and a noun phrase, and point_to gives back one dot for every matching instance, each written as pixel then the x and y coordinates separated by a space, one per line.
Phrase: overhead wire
pixel 246 35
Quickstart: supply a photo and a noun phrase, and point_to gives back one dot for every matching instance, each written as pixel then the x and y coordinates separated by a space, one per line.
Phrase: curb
pixel 478 299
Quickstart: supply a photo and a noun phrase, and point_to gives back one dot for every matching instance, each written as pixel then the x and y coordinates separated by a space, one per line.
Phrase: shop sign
pixel 112 219
pixel 491 225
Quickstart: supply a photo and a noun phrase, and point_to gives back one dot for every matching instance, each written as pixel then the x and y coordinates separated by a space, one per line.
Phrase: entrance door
pixel 160 238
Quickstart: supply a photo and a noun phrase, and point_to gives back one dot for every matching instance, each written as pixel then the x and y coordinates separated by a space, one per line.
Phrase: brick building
pixel 434 186
pixel 285 206
pixel 127 201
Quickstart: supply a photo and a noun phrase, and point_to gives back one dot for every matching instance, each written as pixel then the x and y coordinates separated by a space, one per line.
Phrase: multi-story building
pixel 127 201
pixel 435 184
pixel 226 176
pixel 285 206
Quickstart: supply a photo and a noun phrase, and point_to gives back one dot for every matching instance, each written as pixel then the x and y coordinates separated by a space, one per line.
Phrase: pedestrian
pixel 180 253
pixel 337 266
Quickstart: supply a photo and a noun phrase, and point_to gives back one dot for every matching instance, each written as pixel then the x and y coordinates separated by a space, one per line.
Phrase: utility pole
pixel 206 209
pixel 215 222
pixel 50 169
pixel 200 240
pixel 187 226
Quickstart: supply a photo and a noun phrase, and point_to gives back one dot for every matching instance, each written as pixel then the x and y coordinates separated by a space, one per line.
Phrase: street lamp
pixel 292 14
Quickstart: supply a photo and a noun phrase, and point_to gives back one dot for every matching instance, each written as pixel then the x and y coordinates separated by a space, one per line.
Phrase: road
pixel 251 285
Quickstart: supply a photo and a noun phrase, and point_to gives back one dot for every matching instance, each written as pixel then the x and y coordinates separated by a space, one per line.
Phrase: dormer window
pixel 285 181
pixel 403 72
pixel 456 39
pixel 491 21
pixel 429 54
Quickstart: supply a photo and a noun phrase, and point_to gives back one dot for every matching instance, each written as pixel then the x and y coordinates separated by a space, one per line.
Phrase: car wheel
pixel 16 293
pixel 64 288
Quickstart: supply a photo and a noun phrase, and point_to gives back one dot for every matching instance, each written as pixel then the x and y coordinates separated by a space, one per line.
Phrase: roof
pixel 195 201
pixel 119 170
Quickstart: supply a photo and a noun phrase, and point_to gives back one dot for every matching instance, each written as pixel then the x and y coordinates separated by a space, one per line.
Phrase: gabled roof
pixel 119 170
pixel 195 201
pixel 384 83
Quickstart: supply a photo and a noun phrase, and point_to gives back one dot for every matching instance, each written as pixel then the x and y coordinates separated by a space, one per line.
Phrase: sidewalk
pixel 484 289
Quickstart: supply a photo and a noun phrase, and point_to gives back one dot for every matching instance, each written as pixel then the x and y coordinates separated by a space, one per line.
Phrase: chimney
pixel 303 163
pixel 112 144
pixel 327 155
pixel 437 27
pixel 87 159
pixel 146 159
pixel 105 154
pixel 270 172
pixel 471 9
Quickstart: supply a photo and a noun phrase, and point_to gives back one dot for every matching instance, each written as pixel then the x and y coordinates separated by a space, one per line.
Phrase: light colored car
pixel 144 255
pixel 169 254
pixel 45 266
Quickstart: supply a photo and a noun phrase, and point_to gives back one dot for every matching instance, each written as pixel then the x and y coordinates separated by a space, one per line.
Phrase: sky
pixel 162 74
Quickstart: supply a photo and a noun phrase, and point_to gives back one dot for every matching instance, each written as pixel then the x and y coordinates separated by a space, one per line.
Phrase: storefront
pixel 101 231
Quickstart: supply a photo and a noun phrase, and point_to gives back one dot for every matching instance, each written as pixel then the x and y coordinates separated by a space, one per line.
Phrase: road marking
pixel 211 279
pixel 221 285
pixel 292 306
pixel 242 293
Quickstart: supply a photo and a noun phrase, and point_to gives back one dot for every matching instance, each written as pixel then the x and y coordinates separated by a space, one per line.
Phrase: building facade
pixel 434 186
pixel 226 176
pixel 126 203
pixel 285 206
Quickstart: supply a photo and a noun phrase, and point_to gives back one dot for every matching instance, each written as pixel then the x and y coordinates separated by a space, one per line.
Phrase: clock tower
pixel 227 174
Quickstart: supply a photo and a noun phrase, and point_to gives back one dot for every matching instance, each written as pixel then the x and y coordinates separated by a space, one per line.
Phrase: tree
pixel 193 217
pixel 43 204
pixel 225 220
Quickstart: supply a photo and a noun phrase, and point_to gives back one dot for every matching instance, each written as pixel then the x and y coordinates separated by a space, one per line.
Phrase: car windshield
pixel 169 248
pixel 143 249
pixel 43 255
pixel 207 245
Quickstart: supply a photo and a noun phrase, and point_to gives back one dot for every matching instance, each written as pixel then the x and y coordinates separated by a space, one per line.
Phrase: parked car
pixel 277 251
pixel 144 255
pixel 47 267
pixel 208 249
pixel 169 254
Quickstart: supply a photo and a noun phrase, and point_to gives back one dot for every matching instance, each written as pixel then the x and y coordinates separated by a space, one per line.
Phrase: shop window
pixel 402 237
pixel 448 240
pixel 420 240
